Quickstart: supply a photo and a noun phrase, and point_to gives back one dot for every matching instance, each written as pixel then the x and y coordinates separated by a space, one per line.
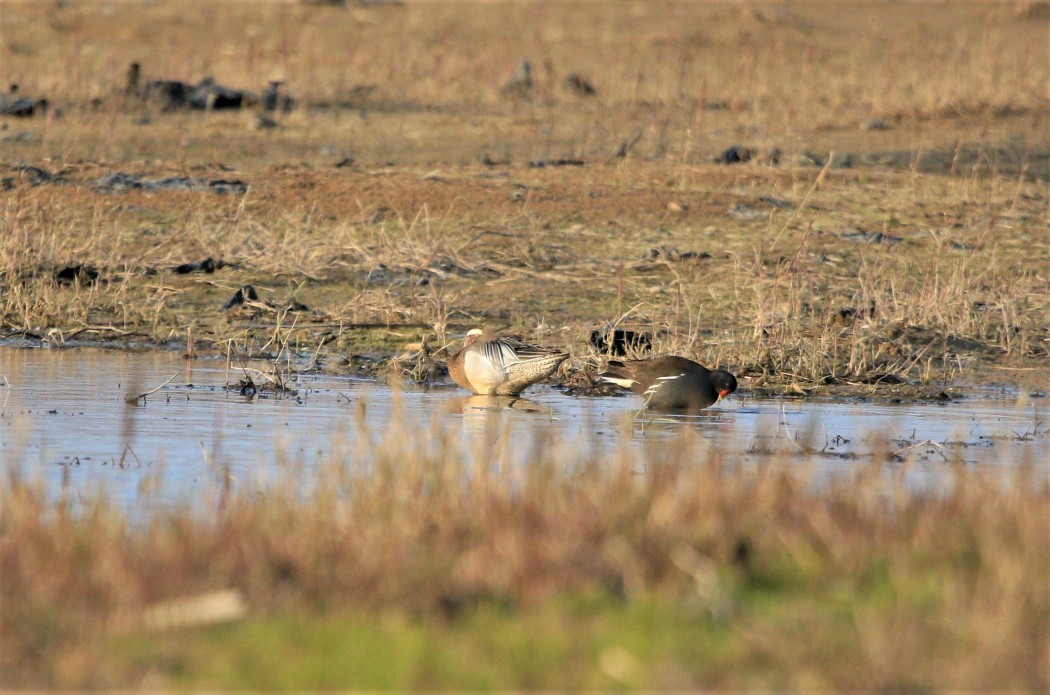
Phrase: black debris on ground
pixel 246 293
pixel 619 342
pixel 119 182
pixel 208 265
pixel 579 86
pixel 77 275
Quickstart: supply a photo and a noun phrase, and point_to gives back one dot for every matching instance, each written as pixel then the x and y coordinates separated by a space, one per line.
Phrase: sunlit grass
pixel 397 202
pixel 416 258
pixel 415 238
pixel 670 566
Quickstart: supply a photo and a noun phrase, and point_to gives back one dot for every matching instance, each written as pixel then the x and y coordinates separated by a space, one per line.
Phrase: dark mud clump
pixel 119 182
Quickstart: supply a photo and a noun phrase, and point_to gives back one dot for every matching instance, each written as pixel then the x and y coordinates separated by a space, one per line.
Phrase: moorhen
pixel 671 383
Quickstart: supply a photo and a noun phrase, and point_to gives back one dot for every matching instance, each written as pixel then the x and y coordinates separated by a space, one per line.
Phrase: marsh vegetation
pixel 828 203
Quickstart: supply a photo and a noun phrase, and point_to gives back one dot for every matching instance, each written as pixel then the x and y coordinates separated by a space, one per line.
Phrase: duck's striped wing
pixel 531 370
pixel 507 365
pixel 486 365
pixel 500 351
pixel 522 350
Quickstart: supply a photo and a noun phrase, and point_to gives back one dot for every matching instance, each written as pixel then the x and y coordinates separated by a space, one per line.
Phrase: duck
pixel 671 383
pixel 501 366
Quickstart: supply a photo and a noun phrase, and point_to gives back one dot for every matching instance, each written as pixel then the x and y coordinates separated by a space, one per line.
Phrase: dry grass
pixel 435 255
pixel 414 240
pixel 774 71
pixel 853 583
pixel 440 223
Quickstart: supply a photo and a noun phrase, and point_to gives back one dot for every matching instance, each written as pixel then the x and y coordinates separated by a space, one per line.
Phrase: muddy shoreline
pixel 577 378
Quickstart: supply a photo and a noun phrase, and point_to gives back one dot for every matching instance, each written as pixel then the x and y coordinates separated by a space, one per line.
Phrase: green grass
pixel 590 642
pixel 565 642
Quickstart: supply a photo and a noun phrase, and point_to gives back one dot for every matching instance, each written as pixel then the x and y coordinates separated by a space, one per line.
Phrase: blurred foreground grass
pixel 405 567
pixel 565 642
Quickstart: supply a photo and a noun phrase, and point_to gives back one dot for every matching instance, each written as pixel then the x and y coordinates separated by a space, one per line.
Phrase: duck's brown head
pixel 472 336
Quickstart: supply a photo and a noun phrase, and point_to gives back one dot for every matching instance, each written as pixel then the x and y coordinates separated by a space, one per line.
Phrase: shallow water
pixel 65 421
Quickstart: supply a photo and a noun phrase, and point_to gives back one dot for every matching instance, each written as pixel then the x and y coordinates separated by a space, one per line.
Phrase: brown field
pixel 435 220
pixel 887 236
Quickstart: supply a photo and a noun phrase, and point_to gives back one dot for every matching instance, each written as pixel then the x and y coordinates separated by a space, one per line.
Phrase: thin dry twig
pixel 900 453
pixel 132 398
